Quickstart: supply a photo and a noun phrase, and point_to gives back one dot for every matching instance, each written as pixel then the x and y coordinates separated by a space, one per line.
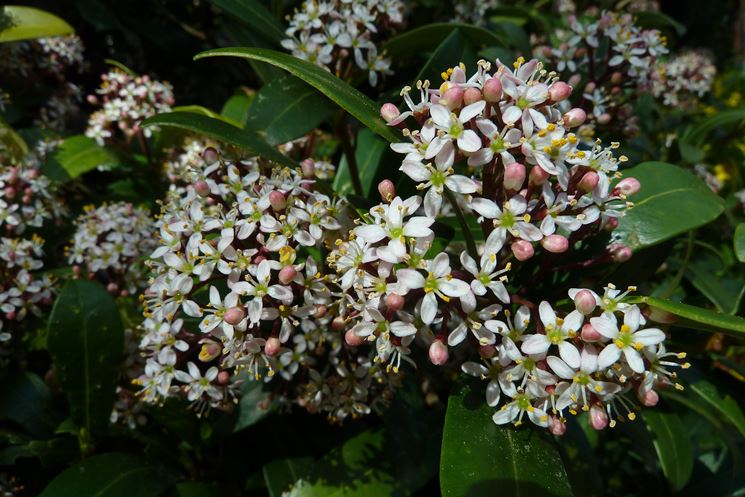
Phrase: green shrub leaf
pixel 688 316
pixel 79 154
pixel 28 23
pixel 672 444
pixel 740 242
pixel 253 14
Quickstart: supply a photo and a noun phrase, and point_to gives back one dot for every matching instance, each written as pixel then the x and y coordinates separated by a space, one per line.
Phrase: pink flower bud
pixel 277 200
pixel 287 274
pixel 574 117
pixel 234 315
pixel 590 87
pixel 92 99
pixel 76 271
pixel 352 339
pixel 12 176
pixel 453 97
pixel 574 80
pixel 10 315
pixel 124 293
pixel 27 199
pixel 604 118
pixel 492 90
pixel 112 288
pixel 585 302
pixel 628 186
pixel 522 249
pixel 538 175
pixel 588 182
pixel 438 353
pixel 598 418
pixel 321 311
pixel 309 168
pixel 387 190
pixel 611 223
pixel 555 244
pixel 223 378
pixel 389 112
pixel 487 351
pixel 557 427
pixel 650 398
pixel 472 95
pixel 590 334
pixel 202 188
pixel 514 176
pixel 10 192
pixel 559 91
pixel 620 252
pixel 272 346
pixel 210 155
pixel 616 77
pixel 338 324
pixel 33 173
pixel 394 302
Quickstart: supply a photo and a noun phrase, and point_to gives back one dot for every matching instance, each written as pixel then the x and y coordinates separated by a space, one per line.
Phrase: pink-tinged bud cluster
pixel 341 36
pixel 684 79
pixel 27 199
pixel 125 101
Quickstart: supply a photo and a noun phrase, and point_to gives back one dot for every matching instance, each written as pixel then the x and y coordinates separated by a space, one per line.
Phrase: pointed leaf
pixel 689 316
pixel 740 242
pixel 28 23
pixel 79 154
pixel 455 47
pixel 423 38
pixel 254 15
pixel 672 444
pixel 348 98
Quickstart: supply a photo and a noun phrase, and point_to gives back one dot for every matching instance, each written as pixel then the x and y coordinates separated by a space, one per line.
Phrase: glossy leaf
pixel 86 342
pixel 698 133
pixel 722 290
pixel 237 107
pixel 689 316
pixel 658 20
pixel 422 39
pixel 26 401
pixel 671 201
pixel 456 47
pixel 194 489
pixel 111 475
pixel 480 458
pixel 222 131
pixel 52 452
pixel 368 152
pixel 255 405
pixel 348 98
pixel 722 403
pixel 739 242
pixel 198 109
pixel 79 154
pixel 29 23
pixel 286 109
pixel 672 445
pixel 254 15
pixel 12 141
pixel 280 475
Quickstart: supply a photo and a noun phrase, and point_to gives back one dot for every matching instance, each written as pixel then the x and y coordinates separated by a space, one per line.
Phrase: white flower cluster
pixel 27 198
pixel 339 34
pixel 50 56
pixel 125 101
pixel 111 242
pixel 612 57
pixel 182 160
pixel 128 409
pixel 682 79
pixel 238 294
pixel 473 11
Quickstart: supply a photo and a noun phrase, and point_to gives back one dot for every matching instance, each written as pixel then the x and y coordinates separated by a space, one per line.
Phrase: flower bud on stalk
pixel 223 378
pixel 559 91
pixel 555 244
pixel 588 182
pixel 557 427
pixel 514 176
pixel 590 334
pixel 585 302
pixel 438 353
pixel 492 90
pixel 387 190
pixel 522 249
pixel 598 418
pixel 202 188
pixel 628 186
pixel 352 339
pixel 472 95
pixel 210 155
pixel 287 274
pixel 394 302
pixel 453 97
pixel 538 176
pixel 272 346
pixel 277 200
pixel 234 315
pixel 620 252
pixel 574 117
pixel 650 398
pixel 389 112
pixel 308 168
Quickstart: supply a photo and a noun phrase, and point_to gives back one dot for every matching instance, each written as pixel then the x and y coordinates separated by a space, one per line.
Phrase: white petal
pixel 608 356
pixel 570 354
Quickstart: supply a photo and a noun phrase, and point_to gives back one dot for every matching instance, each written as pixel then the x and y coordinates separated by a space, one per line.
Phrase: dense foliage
pixel 371 248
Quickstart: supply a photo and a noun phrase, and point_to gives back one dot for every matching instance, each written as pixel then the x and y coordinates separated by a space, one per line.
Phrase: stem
pixel 681 272
pixel 346 144
pixel 470 243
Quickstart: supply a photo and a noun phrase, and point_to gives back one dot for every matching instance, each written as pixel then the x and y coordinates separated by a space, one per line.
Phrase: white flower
pixel 260 288
pixel 454 127
pixel 436 179
pixel 499 143
pixel 510 219
pixel 198 385
pixel 629 340
pixel 559 332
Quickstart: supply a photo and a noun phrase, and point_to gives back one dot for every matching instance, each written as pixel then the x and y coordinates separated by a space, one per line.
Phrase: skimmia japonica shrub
pixel 403 248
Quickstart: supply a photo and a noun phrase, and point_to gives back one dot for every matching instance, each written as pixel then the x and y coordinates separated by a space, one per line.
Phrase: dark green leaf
pixel 80 154
pixel 286 109
pixel 52 452
pixel 111 475
pixel 722 403
pixel 423 38
pixel 237 107
pixel 480 458
pixel 722 290
pixel 222 131
pixel 198 109
pixel 254 406
pixel 368 153
pixel 254 15
pixel 658 20
pixel 688 316
pixel 739 242
pixel 86 342
pixel 194 489
pixel 452 50
pixel 11 142
pixel 281 474
pixel 671 201
pixel 698 133
pixel 348 98
pixel 672 445
pixel 29 23
pixel 25 401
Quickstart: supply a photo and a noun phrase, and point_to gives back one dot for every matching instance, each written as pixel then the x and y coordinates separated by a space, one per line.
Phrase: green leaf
pixel 79 154
pixel 198 109
pixel 671 201
pixel 725 292
pixel 222 131
pixel 286 109
pixel 86 342
pixel 422 39
pixel 28 23
pixel 52 452
pixel 281 474
pixel 658 20
pixel 237 107
pixel 25 401
pixel 111 475
pixel 480 458
pixel 194 489
pixel 11 142
pixel 368 153
pixel 739 242
pixel 348 98
pixel 672 445
pixel 688 316
pixel 698 133
pixel 254 15
pixel 722 403
pixel 254 406
pixel 452 50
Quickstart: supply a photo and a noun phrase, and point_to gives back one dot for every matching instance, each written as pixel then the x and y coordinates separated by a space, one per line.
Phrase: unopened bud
pixel 394 302
pixel 27 199
pixel 272 346
pixel 585 302
pixel 514 176
pixel 522 249
pixel 10 315
pixel 492 90
pixel 616 77
pixel 472 95
pixel 389 112
pixel 210 155
pixel 92 99
pixel 234 315
pixel 387 190
pixel 611 223
pixel 453 97
pixel 590 87
pixel 223 378
pixel 557 427
pixel 438 353
pixel 112 288
pixel 574 117
pixel 555 244
pixel 287 274
pixel 628 186
pixel 538 175
pixel 650 398
pixel 202 188
pixel 487 351
pixel 338 324
pixel 277 200
pixel 588 182
pixel 308 168
pixel 604 118
pixel 321 311
pixel 352 339
pixel 620 252
pixel 574 80
pixel 598 418
pixel 10 192
pixel 559 91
